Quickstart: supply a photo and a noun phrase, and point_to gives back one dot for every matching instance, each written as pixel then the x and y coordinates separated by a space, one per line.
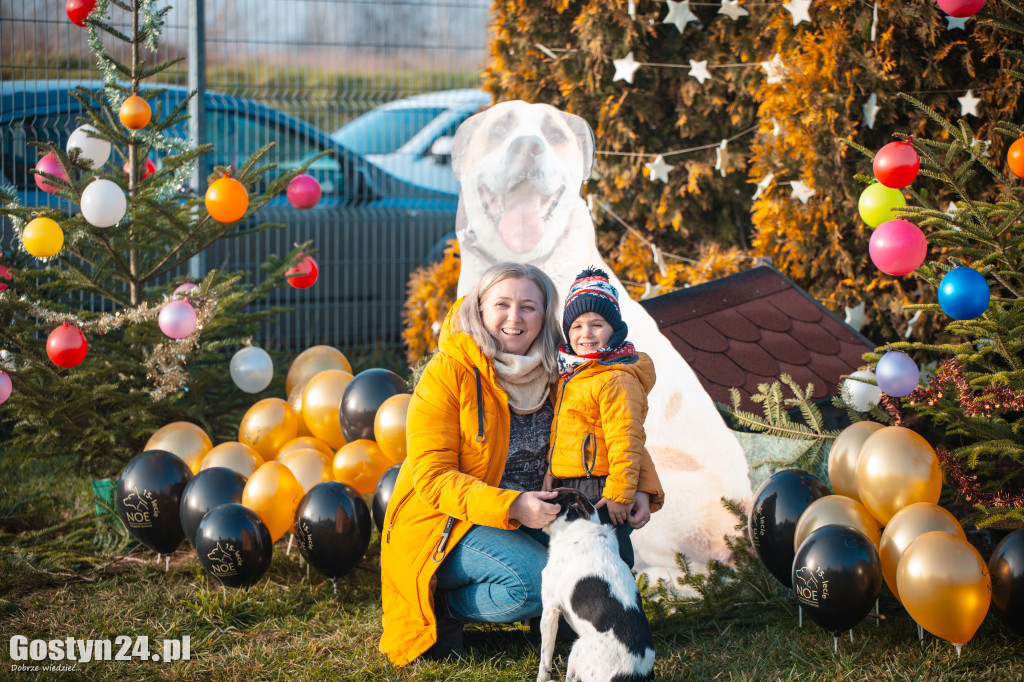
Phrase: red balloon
pixel 307 272
pixel 66 346
pixel 147 169
pixel 78 10
pixel 896 164
pixel 961 8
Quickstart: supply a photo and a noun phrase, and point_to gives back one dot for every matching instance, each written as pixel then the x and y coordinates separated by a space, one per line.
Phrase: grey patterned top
pixel 528 449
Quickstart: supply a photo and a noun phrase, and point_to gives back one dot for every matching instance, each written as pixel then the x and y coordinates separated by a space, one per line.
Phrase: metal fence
pixel 325 63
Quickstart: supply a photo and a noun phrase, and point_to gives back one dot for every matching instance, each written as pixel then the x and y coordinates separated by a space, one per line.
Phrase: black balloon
pixel 837 576
pixel 149 499
pixel 778 504
pixel 233 545
pixel 332 526
pixel 1006 567
pixel 208 489
pixel 363 395
pixel 382 495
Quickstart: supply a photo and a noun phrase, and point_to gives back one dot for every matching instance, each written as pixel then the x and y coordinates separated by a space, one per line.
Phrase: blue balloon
pixel 963 293
pixel 897 374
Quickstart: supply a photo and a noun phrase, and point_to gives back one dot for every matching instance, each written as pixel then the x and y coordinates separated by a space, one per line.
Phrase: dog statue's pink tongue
pixel 522 224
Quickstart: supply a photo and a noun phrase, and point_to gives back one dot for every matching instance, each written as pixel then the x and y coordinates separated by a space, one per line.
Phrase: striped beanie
pixel 593 293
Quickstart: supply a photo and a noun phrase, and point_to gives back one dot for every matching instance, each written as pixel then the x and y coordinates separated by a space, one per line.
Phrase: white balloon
pixel 103 203
pixel 94 150
pixel 858 395
pixel 252 369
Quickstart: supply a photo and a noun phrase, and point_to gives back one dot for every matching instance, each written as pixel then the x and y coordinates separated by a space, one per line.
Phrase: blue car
pixel 371 228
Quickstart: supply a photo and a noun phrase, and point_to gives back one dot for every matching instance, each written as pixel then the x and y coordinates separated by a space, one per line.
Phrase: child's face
pixel 513 312
pixel 588 333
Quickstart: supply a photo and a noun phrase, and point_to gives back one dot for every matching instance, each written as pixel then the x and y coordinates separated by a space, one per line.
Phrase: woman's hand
pixel 616 510
pixel 640 512
pixel 531 509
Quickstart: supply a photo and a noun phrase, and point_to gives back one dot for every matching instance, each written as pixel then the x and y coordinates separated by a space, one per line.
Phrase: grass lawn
pixel 62 576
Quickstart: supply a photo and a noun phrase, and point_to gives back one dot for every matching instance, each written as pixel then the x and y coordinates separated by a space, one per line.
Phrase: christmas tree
pixel 101 276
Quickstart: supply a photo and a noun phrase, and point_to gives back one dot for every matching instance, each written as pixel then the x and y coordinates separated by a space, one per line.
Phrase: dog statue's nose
pixel 527 145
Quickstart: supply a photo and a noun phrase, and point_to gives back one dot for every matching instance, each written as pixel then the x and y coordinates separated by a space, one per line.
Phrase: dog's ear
pixel 573 504
pixel 585 138
pixel 463 136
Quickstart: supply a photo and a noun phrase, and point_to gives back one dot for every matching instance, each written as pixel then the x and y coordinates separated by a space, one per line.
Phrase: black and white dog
pixel 586 582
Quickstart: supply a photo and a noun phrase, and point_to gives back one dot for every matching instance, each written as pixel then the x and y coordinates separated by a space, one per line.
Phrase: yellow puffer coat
pixel 598 428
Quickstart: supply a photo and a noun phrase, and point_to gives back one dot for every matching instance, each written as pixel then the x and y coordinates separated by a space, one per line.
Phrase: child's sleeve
pixel 623 403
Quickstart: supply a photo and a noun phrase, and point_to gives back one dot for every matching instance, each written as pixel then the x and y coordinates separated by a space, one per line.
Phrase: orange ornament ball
pixel 1015 157
pixel 226 200
pixel 135 113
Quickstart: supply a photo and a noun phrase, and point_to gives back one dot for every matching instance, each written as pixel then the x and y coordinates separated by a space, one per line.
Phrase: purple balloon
pixel 48 164
pixel 5 387
pixel 897 374
pixel 304 191
pixel 186 288
pixel 177 319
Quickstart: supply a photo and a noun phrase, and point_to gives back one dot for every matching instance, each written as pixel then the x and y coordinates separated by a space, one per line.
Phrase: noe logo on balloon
pixel 141 509
pixel 807 588
pixel 225 559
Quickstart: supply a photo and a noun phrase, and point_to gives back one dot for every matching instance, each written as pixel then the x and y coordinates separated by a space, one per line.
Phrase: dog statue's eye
pixel 556 136
pixel 498 130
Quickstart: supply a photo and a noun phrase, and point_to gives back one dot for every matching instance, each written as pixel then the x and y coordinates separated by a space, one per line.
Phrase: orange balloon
pixel 310 466
pixel 184 439
pixel 135 113
pixel 273 493
pixel 314 360
pixel 303 443
pixel 945 586
pixel 842 458
pixel 838 510
pixel 295 400
pixel 896 468
pixel 360 464
pixel 1015 157
pixel 226 200
pixel 389 426
pixel 907 525
pixel 267 426
pixel 232 455
pixel 321 405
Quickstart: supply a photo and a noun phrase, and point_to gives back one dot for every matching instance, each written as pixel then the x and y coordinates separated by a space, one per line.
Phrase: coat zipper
pixel 395 514
pixel 558 410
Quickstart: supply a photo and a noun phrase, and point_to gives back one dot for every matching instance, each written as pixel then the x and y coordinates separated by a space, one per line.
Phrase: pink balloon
pixel 304 191
pixel 897 247
pixel 186 288
pixel 48 164
pixel 177 319
pixel 5 387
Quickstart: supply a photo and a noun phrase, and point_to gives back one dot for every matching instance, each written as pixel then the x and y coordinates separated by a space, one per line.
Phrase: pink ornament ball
pixel 186 288
pixel 961 8
pixel 177 319
pixel 304 191
pixel 897 247
pixel 5 387
pixel 49 164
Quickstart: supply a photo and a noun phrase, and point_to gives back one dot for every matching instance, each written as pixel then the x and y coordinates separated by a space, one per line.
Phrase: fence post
pixel 197 111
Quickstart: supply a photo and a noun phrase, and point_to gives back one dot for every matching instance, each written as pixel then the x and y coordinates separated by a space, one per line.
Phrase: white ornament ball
pixel 858 395
pixel 103 203
pixel 94 150
pixel 251 369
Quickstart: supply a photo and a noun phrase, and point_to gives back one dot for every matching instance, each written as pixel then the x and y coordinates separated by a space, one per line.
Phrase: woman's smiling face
pixel 513 312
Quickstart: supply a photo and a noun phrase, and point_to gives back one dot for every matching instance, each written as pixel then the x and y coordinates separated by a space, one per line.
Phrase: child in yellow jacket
pixel 597 435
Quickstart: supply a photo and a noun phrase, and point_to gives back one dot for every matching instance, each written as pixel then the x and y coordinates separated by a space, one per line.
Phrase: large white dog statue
pixel 521 167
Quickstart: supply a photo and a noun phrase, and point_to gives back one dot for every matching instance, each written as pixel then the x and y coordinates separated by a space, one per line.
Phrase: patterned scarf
pixel 568 361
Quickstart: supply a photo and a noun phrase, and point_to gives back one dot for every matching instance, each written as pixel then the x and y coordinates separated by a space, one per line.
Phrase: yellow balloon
pixel 273 493
pixel 303 443
pixel 896 467
pixel 389 426
pixel 321 405
pixel 838 510
pixel 945 586
pixel 295 400
pixel 268 425
pixel 314 360
pixel 42 237
pixel 842 458
pixel 184 439
pixel 360 464
pixel 907 525
pixel 232 455
pixel 310 466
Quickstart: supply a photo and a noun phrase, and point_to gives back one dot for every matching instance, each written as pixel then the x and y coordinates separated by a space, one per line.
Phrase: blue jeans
pixel 493 576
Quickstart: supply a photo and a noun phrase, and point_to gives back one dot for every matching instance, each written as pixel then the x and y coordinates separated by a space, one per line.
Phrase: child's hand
pixel 549 483
pixel 616 511
pixel 640 512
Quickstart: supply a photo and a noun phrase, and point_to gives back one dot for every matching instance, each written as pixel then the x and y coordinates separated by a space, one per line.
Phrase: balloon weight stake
pixel 958 647
pixel 167 563
pixel 334 584
pixel 835 644
pixel 800 612
pixel 157 560
pixel 851 636
pixel 307 572
pixel 920 635
pixel 288 552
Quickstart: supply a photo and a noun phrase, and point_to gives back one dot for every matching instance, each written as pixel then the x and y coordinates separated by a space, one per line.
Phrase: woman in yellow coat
pixel 460 541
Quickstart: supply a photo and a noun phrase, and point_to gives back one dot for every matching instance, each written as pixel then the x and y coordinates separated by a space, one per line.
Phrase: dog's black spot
pixel 593 600
pixel 632 677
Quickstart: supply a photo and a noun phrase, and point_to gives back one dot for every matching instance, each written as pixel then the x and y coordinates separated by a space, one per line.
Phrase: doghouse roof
pixel 749 328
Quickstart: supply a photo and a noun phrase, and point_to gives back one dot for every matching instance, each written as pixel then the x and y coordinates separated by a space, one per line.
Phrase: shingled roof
pixel 751 327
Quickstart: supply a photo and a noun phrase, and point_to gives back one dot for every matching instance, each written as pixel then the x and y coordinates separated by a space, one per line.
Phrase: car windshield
pixel 383 131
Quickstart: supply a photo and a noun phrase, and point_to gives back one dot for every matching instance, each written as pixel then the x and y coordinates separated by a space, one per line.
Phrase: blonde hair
pixel 471 321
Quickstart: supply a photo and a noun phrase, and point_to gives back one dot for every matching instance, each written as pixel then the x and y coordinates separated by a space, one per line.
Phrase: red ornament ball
pixel 961 8
pixel 5 273
pixel 148 169
pixel 304 191
pixel 79 10
pixel 304 274
pixel 66 346
pixel 1015 157
pixel 896 165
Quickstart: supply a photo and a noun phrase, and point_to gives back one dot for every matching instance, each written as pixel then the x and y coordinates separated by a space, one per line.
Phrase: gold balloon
pixel 310 467
pixel 321 405
pixel 907 525
pixel 945 586
pixel 273 493
pixel 314 360
pixel 303 443
pixel 233 455
pixel 360 464
pixel 842 458
pixel 267 426
pixel 295 400
pixel 389 426
pixel 896 468
pixel 184 439
pixel 836 510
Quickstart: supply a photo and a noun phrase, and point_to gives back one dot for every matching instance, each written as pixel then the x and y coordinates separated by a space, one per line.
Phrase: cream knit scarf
pixel 524 379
